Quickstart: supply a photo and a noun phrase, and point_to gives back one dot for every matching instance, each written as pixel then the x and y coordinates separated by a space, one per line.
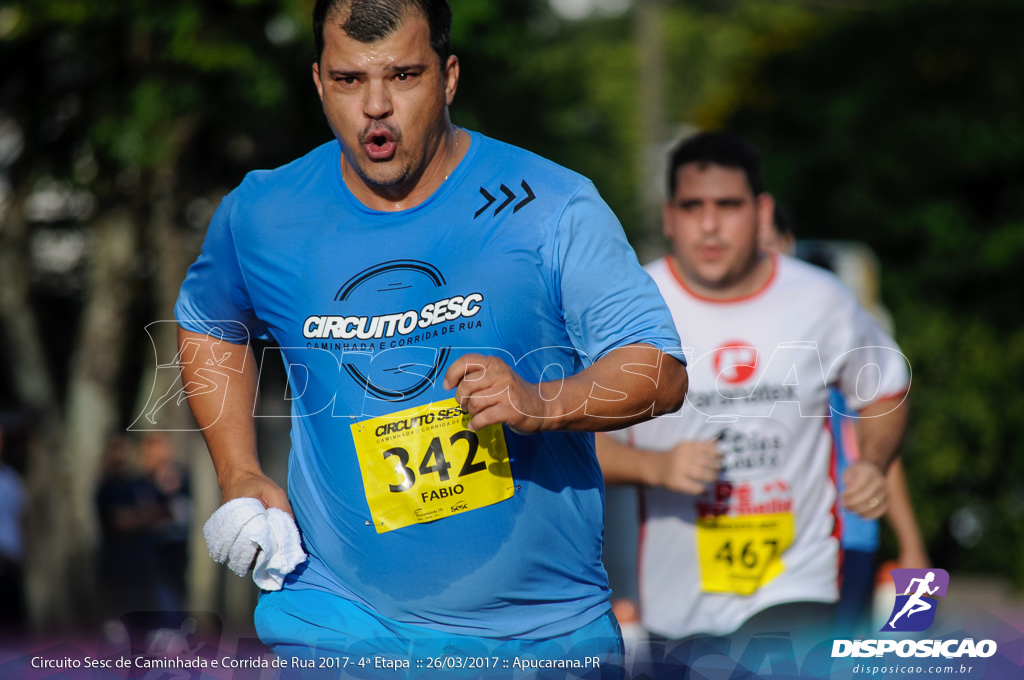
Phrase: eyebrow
pixel 335 73
pixel 716 200
pixel 408 67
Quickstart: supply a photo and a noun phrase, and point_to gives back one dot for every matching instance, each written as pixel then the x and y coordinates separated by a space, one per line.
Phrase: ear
pixel 765 219
pixel 316 80
pixel 451 79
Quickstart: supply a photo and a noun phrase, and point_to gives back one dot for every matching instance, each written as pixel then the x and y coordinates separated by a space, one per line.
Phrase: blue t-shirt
pixel 512 256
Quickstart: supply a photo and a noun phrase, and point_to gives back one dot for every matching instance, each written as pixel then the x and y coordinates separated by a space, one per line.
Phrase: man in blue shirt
pixel 456 316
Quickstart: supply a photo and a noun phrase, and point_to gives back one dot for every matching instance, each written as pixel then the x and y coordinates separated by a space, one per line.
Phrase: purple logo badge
pixel 916 590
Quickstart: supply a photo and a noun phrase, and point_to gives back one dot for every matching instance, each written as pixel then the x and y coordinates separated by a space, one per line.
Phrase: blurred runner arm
pixel 912 551
pixel 688 467
pixel 880 429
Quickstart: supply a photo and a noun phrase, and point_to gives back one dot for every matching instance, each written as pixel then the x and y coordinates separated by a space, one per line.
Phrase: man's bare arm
pixel 226 415
pixel 880 429
pixel 688 467
pixel 627 385
pixel 912 552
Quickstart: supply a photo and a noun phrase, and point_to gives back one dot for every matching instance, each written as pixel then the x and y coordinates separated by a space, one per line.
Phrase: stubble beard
pixel 399 174
pixel 739 275
pixel 380 174
pixel 721 281
pixel 386 175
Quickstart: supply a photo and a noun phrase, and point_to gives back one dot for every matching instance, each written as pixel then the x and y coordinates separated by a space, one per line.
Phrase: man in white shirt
pixel 738 492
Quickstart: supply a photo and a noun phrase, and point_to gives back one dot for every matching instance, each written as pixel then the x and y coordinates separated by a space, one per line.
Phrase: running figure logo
pixel 914 610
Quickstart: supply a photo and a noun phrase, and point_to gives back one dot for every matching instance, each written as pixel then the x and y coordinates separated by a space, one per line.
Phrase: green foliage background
pixel 901 128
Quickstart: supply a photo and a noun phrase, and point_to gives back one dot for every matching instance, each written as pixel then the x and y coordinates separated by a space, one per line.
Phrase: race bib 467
pixel 424 463
pixel 741 554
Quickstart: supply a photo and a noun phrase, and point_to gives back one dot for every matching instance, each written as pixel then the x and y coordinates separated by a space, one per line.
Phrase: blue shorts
pixel 316 634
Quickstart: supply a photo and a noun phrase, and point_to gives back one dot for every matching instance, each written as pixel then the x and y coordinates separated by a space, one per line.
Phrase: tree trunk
pixel 48 482
pixel 170 260
pixel 651 118
pixel 93 413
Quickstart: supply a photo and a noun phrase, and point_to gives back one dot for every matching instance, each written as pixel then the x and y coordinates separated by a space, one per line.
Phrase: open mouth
pixel 380 145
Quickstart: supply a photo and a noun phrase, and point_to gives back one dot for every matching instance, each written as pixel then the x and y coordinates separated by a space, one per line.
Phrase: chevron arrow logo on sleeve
pixel 529 197
pixel 509 197
pixel 490 199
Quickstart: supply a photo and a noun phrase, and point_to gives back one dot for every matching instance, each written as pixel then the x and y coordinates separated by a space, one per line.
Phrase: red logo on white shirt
pixel 735 361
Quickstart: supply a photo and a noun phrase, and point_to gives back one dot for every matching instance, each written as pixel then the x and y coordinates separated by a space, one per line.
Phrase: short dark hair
pixel 716 148
pixel 372 20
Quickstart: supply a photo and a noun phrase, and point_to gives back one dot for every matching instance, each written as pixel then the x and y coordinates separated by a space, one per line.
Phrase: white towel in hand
pixel 243 529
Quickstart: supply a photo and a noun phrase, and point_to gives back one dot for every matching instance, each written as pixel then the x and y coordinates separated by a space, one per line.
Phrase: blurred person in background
pixel 169 478
pixel 13 501
pixel 130 513
pixel 860 537
pixel 739 511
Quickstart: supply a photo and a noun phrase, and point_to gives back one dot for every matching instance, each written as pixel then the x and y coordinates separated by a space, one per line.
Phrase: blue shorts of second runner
pixel 319 635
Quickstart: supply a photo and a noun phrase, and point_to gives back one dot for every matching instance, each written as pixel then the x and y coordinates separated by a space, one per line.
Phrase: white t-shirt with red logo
pixel 760 369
